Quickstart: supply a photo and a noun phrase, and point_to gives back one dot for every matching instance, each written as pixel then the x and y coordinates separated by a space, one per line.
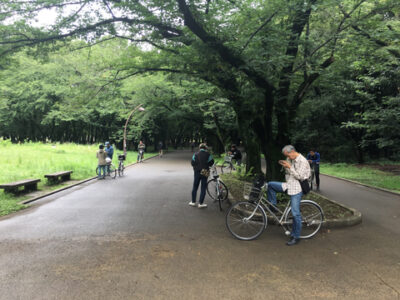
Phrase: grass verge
pixel 34 160
pixel 366 174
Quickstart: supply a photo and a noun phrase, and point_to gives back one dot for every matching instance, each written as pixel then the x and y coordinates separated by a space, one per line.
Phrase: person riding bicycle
pixel 236 154
pixel 110 152
pixel 201 163
pixel 314 158
pixel 296 168
pixel 141 149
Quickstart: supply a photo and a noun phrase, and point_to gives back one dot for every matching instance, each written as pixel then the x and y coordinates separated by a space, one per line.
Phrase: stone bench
pixel 54 177
pixel 28 184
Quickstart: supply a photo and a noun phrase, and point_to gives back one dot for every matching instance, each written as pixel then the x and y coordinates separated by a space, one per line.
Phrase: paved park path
pixel 136 238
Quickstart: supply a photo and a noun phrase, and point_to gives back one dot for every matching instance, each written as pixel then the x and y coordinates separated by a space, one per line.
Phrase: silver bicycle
pixel 247 220
pixel 216 189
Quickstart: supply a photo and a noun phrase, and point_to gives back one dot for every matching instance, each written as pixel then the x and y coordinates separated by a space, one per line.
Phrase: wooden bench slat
pixel 19 183
pixel 58 174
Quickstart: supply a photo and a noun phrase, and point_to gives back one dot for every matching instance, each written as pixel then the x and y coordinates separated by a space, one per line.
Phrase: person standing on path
pixel 141 149
pixel 110 152
pixel 201 162
pixel 296 168
pixel 314 160
pixel 101 156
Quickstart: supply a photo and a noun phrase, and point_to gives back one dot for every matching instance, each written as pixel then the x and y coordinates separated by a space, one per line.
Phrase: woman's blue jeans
pixel 276 187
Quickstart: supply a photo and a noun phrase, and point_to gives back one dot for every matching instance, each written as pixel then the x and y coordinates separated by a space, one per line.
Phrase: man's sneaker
pixel 202 205
pixel 192 203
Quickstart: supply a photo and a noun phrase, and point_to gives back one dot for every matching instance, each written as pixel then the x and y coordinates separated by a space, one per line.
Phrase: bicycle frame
pixel 264 204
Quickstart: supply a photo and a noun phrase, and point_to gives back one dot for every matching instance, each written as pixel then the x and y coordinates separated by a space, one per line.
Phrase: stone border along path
pixel 73 185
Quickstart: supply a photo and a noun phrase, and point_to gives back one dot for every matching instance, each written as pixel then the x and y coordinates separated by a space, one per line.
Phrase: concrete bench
pixel 64 175
pixel 28 184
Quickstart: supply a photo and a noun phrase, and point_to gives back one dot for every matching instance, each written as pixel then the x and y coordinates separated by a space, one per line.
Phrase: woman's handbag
pixel 205 172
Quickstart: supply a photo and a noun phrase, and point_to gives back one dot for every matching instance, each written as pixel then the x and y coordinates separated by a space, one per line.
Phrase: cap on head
pixel 101 146
pixel 107 143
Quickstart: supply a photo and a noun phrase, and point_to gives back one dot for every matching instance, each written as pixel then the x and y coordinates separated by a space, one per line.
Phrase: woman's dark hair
pixel 101 146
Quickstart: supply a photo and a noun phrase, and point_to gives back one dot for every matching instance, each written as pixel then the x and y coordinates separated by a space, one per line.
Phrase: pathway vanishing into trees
pixel 136 238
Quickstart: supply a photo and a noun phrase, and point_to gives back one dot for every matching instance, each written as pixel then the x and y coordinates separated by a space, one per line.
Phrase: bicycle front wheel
pixel 246 221
pixel 113 172
pixel 312 218
pixel 226 168
pixel 121 170
pixel 217 188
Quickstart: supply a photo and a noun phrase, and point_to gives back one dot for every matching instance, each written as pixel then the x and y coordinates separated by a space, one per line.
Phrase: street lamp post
pixel 140 108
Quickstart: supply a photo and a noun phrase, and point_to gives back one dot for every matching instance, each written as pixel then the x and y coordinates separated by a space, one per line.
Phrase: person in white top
pixel 296 168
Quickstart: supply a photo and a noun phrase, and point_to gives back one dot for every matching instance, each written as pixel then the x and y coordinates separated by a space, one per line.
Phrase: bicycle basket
pixel 250 192
pixel 121 157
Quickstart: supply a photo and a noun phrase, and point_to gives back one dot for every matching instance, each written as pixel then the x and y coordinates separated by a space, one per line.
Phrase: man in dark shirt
pixel 314 158
pixel 236 154
pixel 201 160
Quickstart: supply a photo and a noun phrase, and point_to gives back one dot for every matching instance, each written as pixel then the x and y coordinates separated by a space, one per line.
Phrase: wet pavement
pixel 136 238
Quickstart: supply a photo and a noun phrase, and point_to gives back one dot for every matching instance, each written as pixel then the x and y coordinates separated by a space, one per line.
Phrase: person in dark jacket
pixel 314 159
pixel 201 160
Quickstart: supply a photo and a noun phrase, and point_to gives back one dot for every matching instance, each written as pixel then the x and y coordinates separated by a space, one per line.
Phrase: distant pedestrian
pixel 160 148
pixel 297 168
pixel 314 159
pixel 101 156
pixel 141 149
pixel 201 162
pixel 110 152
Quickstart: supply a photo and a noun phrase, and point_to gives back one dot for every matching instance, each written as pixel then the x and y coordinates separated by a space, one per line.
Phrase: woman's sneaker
pixel 192 203
pixel 202 205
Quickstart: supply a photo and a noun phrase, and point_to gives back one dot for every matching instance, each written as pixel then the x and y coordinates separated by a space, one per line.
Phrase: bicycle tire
pixel 226 167
pixel 121 170
pixel 237 215
pixel 97 171
pixel 212 192
pixel 312 216
pixel 113 172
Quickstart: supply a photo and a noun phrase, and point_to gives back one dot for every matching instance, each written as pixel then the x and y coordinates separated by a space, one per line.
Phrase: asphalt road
pixel 137 238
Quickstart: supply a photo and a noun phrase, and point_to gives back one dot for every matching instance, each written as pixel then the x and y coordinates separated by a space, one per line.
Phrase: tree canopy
pixel 320 74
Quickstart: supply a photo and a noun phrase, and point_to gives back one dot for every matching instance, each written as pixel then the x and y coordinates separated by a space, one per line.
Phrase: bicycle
pixel 247 220
pixel 121 166
pixel 112 170
pixel 227 165
pixel 140 156
pixel 216 189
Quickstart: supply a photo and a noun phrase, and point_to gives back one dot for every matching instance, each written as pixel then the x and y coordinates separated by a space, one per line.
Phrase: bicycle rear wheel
pixel 213 190
pixel 246 221
pixel 312 218
pixel 226 167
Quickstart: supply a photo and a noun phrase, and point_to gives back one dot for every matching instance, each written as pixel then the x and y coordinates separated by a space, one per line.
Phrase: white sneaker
pixel 192 203
pixel 202 205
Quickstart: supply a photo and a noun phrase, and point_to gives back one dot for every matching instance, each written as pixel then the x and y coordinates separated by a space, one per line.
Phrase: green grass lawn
pixel 363 174
pixel 34 160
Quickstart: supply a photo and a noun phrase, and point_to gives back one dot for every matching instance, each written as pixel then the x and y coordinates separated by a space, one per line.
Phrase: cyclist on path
pixel 296 168
pixel 201 162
